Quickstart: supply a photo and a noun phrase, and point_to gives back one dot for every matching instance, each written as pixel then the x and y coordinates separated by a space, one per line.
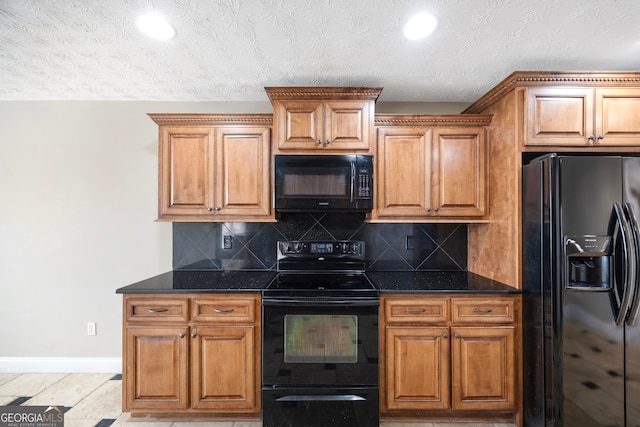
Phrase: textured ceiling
pixel 228 50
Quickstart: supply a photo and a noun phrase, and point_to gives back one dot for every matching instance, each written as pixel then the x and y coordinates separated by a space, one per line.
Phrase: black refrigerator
pixel 581 263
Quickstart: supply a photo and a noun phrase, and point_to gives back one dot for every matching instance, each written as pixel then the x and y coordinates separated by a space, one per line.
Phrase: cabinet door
pixel 403 172
pixel 156 368
pixel 347 125
pixel 242 184
pixel 186 171
pixel 483 370
pixel 459 178
pixel 299 124
pixel 618 116
pixel 417 368
pixel 559 116
pixel 224 368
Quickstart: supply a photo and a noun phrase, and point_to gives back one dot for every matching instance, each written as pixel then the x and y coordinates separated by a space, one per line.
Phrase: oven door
pixel 340 183
pixel 312 343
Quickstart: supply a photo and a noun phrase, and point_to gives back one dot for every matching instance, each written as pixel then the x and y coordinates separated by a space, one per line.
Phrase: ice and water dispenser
pixel 587 264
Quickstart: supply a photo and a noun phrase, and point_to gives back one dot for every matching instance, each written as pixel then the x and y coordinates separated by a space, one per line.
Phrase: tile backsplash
pixel 253 245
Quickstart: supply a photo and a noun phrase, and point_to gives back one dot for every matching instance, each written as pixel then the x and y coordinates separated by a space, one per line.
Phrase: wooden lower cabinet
pixel 223 368
pixel 418 366
pixel 155 368
pixel 448 357
pixel 207 363
pixel 483 368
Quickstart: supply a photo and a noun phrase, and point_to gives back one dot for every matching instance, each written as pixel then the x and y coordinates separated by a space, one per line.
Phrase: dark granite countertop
pixel 201 281
pixel 221 281
pixel 436 282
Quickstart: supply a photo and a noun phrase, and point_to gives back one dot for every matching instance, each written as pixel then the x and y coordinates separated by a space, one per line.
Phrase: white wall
pixel 78 200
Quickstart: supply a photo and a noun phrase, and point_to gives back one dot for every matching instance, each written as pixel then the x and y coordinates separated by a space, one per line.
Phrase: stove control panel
pixel 314 248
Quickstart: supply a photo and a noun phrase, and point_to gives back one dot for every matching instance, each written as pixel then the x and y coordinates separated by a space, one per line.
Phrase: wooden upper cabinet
pixel 214 167
pixel 242 184
pixel 617 116
pixel 323 118
pixel 459 184
pixel 403 173
pixel 186 170
pixel 564 116
pixel 432 172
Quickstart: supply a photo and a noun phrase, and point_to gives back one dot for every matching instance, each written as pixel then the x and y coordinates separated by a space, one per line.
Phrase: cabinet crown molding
pixel 553 78
pixel 304 93
pixel 433 120
pixel 212 119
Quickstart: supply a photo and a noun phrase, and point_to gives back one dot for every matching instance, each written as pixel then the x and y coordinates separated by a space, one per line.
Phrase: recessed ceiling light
pixel 420 26
pixel 155 26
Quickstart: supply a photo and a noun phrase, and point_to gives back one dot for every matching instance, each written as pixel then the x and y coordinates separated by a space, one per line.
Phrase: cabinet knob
pixel 592 138
pixel 327 142
pixel 600 137
pixel 209 209
pixel 218 209
pixel 436 209
pixel 182 335
pixel 319 141
pixel 193 335
pixel 458 336
pixel 446 335
pixel 428 209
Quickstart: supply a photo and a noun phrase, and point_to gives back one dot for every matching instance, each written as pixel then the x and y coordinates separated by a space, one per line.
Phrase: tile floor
pixel 94 400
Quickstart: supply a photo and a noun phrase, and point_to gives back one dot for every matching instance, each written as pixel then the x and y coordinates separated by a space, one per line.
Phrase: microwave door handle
pixel 353 181
pixel 634 291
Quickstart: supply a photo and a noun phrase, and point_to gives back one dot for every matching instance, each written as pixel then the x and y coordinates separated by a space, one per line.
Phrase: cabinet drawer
pixel 224 310
pixel 482 310
pixel 416 310
pixel 156 310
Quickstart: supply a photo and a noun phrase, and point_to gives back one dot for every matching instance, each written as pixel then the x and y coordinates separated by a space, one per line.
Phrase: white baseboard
pixel 96 365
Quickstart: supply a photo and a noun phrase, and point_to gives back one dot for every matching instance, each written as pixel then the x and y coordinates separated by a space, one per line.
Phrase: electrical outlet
pixel 91 328
pixel 226 241
pixel 408 243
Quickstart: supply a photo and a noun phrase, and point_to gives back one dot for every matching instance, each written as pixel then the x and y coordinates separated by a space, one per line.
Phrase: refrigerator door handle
pixel 619 231
pixel 634 292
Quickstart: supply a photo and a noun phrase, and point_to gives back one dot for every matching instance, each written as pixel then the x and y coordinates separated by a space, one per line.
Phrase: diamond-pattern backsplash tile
pixel 389 247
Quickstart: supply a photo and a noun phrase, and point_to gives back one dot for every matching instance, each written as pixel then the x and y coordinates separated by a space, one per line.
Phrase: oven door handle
pixel 315 302
pixel 320 397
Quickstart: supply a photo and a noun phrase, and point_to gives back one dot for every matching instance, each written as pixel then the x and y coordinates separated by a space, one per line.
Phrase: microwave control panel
pixel 364 183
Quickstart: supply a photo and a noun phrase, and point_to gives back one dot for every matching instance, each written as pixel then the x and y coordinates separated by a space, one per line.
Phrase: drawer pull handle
pixel 158 310
pixel 415 311
pixel 220 310
pixel 479 310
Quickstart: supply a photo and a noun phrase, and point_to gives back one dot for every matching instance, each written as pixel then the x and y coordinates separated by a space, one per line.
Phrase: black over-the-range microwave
pixel 316 183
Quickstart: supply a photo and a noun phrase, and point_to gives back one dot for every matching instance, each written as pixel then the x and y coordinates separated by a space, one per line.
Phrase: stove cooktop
pixel 339 285
pixel 321 269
